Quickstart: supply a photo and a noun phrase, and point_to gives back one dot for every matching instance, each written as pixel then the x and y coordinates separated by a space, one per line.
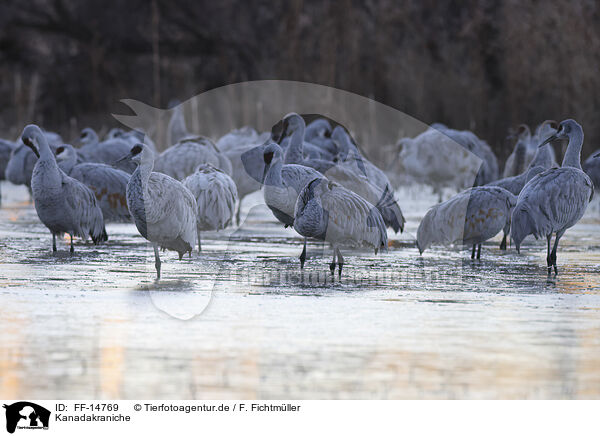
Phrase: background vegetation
pixel 477 64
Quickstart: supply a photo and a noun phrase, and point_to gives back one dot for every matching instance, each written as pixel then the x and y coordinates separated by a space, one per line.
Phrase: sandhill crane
pixel 164 211
pixel 488 171
pixel 216 196
pixel 556 199
pixel 527 153
pixel 542 160
pixel 327 211
pixel 245 183
pixel 133 137
pixel 353 172
pixel 22 160
pixel 282 183
pixel 177 128
pixel 435 159
pixel 349 155
pixel 180 160
pixel 6 148
pixel 546 156
pixel 235 144
pixel 516 163
pixel 292 132
pixel 591 166
pixel 468 218
pixel 107 152
pixel 63 204
pixel 108 184
pixel 241 138
pixel 514 185
pixel 319 128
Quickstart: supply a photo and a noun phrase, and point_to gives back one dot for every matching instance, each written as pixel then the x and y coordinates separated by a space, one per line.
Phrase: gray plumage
pixel 527 154
pixel 108 184
pixel 177 128
pixel 591 166
pixel 351 171
pixel 319 128
pixel 350 155
pixel 107 152
pixel 514 185
pixel 556 199
pixel 164 211
pixel 468 218
pixel 327 211
pixel 181 160
pixel 516 163
pixel 245 183
pixel 292 140
pixel 133 137
pixel 241 138
pixel 488 170
pixel 6 148
pixel 434 158
pixel 543 156
pixel 63 204
pixel 216 196
pixel 22 160
pixel 283 183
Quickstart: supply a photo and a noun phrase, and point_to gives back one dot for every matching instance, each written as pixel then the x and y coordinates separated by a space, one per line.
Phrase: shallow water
pixel 241 320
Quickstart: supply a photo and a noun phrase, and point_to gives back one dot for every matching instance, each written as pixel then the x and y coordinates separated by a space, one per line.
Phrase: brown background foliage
pixel 476 64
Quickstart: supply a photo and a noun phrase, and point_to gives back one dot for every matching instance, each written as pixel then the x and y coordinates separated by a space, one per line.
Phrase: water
pixel 240 320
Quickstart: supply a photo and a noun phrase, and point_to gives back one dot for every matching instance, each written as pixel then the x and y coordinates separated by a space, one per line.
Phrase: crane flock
pixel 315 179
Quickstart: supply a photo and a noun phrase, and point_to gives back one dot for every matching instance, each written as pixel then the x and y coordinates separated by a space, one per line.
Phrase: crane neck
pixel 43 147
pixel 274 177
pixel 573 154
pixel 295 150
pixel 520 155
pixel 144 170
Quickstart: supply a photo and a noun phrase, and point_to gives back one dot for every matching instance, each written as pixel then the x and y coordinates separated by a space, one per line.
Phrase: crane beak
pixel 29 143
pixel 551 138
pixel 127 156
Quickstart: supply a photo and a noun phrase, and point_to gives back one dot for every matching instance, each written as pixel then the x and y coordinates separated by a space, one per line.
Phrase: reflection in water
pixel 11 356
pixel 111 341
pixel 241 320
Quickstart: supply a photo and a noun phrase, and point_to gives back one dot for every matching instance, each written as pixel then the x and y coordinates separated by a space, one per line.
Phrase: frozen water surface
pixel 241 321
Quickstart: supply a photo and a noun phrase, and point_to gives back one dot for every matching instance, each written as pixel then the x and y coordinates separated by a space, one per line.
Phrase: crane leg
pixel 72 248
pixel 332 264
pixel 303 255
pixel 553 254
pixel 157 262
pixel 548 258
pixel 503 243
pixel 479 251
pixel 340 262
pixel 237 214
pixel 53 242
pixel 199 244
pixel 473 252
